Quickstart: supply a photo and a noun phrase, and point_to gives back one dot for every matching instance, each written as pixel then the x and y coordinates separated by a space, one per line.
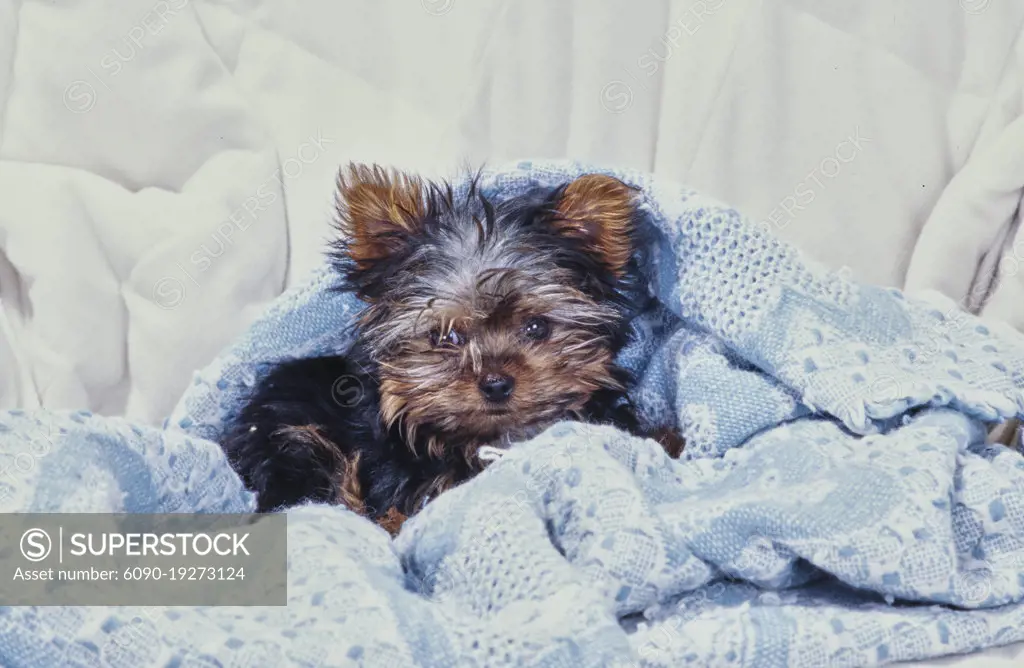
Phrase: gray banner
pixel 120 559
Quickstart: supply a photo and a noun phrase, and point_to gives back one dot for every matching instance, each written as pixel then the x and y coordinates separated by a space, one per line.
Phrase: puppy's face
pixel 488 321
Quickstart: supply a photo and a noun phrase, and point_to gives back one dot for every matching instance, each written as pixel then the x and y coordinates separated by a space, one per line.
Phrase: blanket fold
pixel 836 504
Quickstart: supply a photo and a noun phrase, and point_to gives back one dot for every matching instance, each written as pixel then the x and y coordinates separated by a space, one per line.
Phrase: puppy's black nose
pixel 497 387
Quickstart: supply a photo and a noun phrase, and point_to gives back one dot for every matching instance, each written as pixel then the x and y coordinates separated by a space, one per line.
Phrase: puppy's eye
pixel 537 329
pixel 447 338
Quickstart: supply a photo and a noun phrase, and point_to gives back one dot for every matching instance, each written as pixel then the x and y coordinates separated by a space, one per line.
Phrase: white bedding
pixel 166 166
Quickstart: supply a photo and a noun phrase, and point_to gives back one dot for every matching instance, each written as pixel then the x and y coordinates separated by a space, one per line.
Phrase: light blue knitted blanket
pixel 836 505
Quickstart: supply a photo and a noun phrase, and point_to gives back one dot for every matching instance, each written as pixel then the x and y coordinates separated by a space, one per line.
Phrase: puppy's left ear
pixel 599 210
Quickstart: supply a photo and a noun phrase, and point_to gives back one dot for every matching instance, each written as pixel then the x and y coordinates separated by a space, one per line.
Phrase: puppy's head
pixel 488 320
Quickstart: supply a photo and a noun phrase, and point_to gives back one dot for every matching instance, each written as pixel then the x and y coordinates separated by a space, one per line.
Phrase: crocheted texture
pixel 810 499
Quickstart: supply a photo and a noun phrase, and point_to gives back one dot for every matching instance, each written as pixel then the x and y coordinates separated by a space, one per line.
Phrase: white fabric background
pixel 139 138
pixel 132 131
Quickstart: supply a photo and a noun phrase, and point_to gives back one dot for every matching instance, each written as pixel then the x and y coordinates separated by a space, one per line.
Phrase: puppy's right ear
pixel 378 210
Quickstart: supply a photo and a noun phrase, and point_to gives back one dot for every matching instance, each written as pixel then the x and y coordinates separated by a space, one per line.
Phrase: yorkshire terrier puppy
pixel 485 322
